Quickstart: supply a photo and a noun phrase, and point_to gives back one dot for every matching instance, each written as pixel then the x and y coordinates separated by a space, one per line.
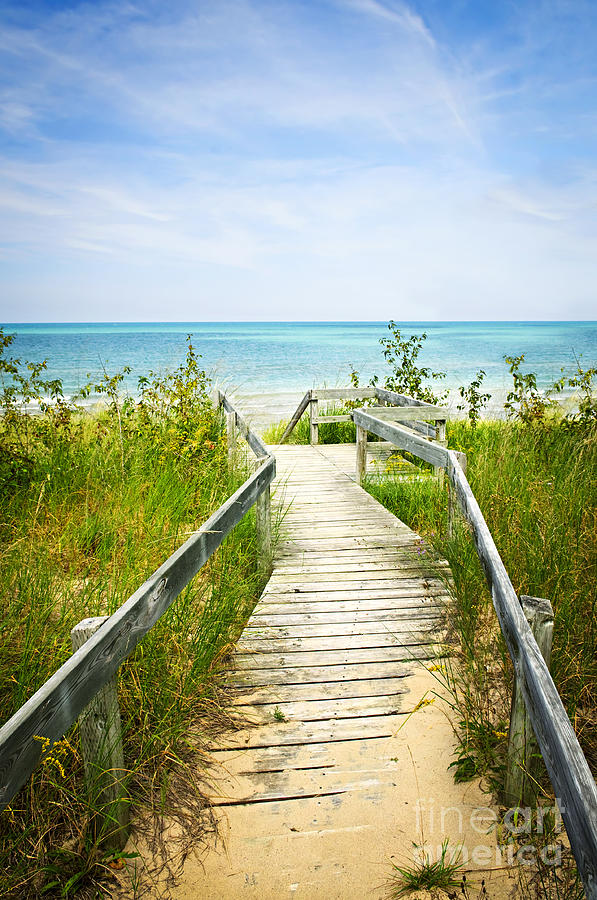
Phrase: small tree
pixel 474 399
pixel 525 401
pixel 582 381
pixel 406 376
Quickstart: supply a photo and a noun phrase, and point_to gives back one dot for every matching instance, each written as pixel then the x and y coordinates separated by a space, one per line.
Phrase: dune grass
pixel 329 432
pixel 536 488
pixel 91 506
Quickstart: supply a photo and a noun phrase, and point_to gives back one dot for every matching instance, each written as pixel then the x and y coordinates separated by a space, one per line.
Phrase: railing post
pixel 452 501
pixel 440 437
pixel 263 516
pixel 101 747
pixel 524 759
pixel 361 453
pixel 231 433
pixel 313 424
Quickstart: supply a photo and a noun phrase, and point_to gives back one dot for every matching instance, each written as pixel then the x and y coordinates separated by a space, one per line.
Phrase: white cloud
pixel 244 150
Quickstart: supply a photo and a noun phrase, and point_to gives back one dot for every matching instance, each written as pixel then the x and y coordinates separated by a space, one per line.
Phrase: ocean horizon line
pixel 111 322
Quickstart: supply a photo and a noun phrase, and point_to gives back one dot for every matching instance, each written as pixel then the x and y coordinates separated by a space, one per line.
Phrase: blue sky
pixel 341 159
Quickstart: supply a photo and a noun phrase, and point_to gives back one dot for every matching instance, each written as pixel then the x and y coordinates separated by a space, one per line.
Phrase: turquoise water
pixel 274 357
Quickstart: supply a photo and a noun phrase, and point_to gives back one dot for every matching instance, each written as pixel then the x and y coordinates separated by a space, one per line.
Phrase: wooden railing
pixel 570 775
pixel 56 706
pixel 405 409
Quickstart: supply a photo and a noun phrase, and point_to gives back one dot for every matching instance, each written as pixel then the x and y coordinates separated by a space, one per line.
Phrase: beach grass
pixel 92 504
pixel 329 432
pixel 536 488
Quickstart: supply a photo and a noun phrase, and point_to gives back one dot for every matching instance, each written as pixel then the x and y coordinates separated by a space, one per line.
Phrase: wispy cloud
pixel 322 153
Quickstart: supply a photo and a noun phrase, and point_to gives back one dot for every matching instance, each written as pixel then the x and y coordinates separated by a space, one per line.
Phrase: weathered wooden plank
pixel 284 786
pixel 335 690
pixel 361 457
pixel 291 522
pixel 322 420
pixel 313 426
pixel 396 399
pixel 346 629
pixel 100 730
pixel 330 565
pixel 305 546
pixel 344 571
pixel 335 585
pixel 523 768
pixel 288 757
pixel 285 733
pixel 326 674
pixel 290 644
pixel 331 617
pixel 252 439
pixel 328 658
pixel 371 598
pixel 369 555
pixel 295 417
pixel 411 413
pixel 57 704
pixel 320 710
pixel 405 440
pixel 565 762
pixel 342 393
pixel 352 528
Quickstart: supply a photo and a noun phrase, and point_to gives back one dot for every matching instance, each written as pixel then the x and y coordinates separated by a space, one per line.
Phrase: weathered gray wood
pixel 101 747
pixel 565 762
pixel 296 416
pixel 411 413
pixel 395 399
pixel 401 438
pixel 313 426
pixel 322 710
pixel 263 514
pixel 452 500
pixel 305 658
pixel 253 440
pixel 331 616
pixel 321 641
pixel 342 393
pixel 361 454
pixel 314 733
pixel 440 436
pixel 332 690
pixel 322 420
pixel 231 435
pixel 57 704
pixel 523 754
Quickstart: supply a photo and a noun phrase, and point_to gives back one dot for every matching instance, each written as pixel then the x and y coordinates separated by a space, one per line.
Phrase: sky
pixel 298 160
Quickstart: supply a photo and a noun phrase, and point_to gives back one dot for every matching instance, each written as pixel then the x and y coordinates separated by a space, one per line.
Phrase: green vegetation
pixel 426 874
pixel 535 485
pixel 406 376
pixel 329 432
pixel 91 506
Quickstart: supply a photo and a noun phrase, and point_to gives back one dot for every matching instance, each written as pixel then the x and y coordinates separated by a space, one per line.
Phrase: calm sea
pixel 287 358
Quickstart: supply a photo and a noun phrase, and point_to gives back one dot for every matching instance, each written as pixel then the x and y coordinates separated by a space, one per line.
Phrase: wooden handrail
pixel 570 775
pixel 55 707
pixel 296 416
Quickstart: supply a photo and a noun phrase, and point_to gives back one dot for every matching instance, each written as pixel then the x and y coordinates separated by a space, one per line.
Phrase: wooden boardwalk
pixel 322 789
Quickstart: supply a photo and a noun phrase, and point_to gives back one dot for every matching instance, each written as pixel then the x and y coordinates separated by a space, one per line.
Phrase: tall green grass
pixel 536 488
pixel 329 432
pixel 99 502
